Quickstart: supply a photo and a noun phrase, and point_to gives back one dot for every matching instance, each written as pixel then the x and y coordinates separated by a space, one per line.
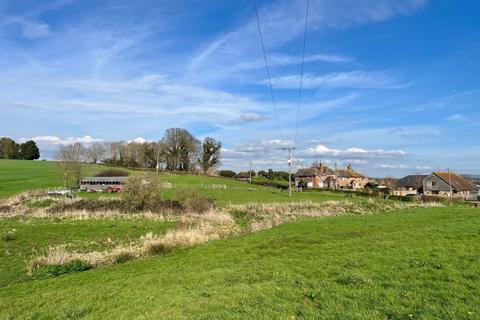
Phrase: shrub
pixel 156 247
pixel 92 205
pixel 113 173
pixel 141 193
pixel 40 203
pixel 192 201
pixel 8 236
pixel 123 257
pixel 54 270
pixel 227 173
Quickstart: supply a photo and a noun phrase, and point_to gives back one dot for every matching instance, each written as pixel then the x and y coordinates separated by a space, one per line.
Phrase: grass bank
pixel 413 264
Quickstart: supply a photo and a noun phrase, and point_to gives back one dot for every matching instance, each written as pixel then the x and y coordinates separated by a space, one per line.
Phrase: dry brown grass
pixel 197 228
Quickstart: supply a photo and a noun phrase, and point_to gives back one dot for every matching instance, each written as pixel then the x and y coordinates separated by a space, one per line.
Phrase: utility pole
pixel 289 149
pixel 335 176
pixel 250 172
pixel 158 157
pixel 450 183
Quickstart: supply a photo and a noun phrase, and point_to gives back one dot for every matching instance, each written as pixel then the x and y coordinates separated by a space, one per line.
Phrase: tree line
pixel 9 149
pixel 178 150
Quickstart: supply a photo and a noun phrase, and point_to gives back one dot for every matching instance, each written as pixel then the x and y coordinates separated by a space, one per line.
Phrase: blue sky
pixel 390 86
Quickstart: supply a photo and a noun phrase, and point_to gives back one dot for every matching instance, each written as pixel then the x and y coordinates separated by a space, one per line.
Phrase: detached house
pixel 409 185
pixel 449 184
pixel 313 177
pixel 348 179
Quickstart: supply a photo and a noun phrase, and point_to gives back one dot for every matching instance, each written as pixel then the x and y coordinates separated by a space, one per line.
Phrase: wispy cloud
pixel 253 117
pixel 352 79
pixel 458 117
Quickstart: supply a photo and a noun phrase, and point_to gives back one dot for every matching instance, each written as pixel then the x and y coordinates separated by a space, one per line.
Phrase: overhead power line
pixel 301 74
pixel 267 69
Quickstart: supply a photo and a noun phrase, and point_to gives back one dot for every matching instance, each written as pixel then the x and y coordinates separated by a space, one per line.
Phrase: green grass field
pixel 19 175
pixel 33 238
pixel 418 263
pixel 415 264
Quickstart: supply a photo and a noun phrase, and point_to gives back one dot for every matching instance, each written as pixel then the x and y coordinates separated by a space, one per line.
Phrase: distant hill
pixel 475 178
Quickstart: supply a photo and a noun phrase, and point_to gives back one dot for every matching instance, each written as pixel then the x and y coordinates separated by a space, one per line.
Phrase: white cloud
pixel 139 140
pixel 352 79
pixel 458 117
pixel 55 141
pixel 31 29
pixel 404 166
pixel 351 153
pixel 283 21
pixel 253 117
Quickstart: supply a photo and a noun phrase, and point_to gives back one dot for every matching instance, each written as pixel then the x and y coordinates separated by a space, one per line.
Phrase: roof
pixel 459 183
pixel 349 173
pixel 311 172
pixel 244 174
pixel 104 178
pixel 413 181
pixel 323 169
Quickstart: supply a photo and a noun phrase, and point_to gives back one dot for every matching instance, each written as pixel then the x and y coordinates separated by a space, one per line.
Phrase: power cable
pixel 267 69
pixel 301 74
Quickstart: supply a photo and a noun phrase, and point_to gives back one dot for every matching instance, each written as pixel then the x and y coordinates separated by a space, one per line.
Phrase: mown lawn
pixel 415 264
pixel 21 240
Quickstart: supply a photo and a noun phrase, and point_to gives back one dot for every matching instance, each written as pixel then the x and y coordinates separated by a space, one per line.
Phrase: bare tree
pixel 95 152
pixel 210 154
pixel 69 162
pixel 389 182
pixel 180 149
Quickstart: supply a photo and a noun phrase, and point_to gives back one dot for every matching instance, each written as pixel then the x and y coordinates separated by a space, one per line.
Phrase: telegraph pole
pixel 250 172
pixel 450 183
pixel 289 149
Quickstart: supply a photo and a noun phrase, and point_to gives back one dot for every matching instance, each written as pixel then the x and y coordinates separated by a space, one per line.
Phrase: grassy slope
pixel 20 175
pixel 17 176
pixel 34 237
pixel 421 264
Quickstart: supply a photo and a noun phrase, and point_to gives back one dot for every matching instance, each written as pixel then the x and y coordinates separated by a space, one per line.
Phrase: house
pixel 449 184
pixel 347 179
pixel 408 185
pixel 313 177
pixel 322 176
pixel 243 176
pixel 108 184
pixel 309 178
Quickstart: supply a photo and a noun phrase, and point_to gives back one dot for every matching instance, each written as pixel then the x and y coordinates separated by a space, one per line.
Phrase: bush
pixel 123 257
pixel 113 173
pixel 141 193
pixel 47 271
pixel 192 201
pixel 264 181
pixel 87 204
pixel 157 247
pixel 227 173
pixel 8 236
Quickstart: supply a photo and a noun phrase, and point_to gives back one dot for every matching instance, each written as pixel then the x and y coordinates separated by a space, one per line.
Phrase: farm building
pixel 107 184
pixel 449 184
pixel 409 185
pixel 243 176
